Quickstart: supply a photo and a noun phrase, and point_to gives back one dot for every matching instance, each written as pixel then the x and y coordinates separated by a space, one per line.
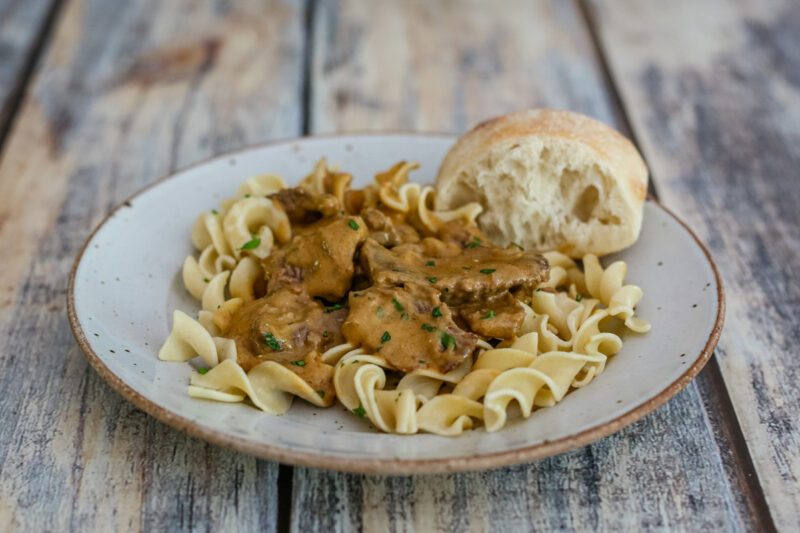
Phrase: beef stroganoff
pixel 408 316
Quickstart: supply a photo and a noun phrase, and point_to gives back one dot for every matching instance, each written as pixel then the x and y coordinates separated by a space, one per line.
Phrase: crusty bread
pixel 548 180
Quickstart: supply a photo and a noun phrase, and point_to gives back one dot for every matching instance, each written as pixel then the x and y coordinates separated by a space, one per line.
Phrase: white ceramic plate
pixel 126 282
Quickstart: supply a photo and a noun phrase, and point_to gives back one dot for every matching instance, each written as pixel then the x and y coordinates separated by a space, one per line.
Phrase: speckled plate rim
pixel 388 465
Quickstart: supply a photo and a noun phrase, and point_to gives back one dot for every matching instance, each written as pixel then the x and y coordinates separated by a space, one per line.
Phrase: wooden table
pixel 99 98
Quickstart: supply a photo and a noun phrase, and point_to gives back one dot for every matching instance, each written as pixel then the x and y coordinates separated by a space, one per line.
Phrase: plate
pixel 126 282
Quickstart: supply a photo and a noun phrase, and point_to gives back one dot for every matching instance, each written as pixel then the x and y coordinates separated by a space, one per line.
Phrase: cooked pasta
pixel 435 330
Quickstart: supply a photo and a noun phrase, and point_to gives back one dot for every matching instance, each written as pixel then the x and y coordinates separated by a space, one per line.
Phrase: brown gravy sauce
pixel 365 274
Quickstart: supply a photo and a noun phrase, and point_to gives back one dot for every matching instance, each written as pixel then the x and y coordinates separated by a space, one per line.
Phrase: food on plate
pixel 408 316
pixel 548 180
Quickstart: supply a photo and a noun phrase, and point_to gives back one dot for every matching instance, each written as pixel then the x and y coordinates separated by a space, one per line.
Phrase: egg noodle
pixel 571 323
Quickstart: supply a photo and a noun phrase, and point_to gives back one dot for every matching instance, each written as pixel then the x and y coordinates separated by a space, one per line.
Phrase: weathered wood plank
pixel 127 92
pixel 23 24
pixel 716 112
pixel 413 66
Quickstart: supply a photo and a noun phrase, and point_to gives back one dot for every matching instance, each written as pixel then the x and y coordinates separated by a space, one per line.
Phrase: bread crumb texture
pixel 548 180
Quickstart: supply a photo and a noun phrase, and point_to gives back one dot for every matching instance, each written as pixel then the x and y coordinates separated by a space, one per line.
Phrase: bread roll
pixel 548 180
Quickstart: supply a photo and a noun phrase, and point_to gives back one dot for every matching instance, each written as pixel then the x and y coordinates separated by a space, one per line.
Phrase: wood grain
pixel 127 92
pixel 409 66
pixel 717 113
pixel 23 28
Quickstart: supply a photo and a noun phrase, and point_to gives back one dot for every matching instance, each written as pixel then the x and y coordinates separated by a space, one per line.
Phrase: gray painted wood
pixel 717 112
pixel 127 92
pixel 22 26
pixel 389 66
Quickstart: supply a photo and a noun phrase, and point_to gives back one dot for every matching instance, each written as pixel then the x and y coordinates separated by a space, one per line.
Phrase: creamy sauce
pixel 409 326
pixel 364 274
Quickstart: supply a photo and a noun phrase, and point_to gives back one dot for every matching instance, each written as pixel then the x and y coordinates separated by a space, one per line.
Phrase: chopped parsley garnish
pixel 578 297
pixel 353 224
pixel 360 411
pixel 518 246
pixel 332 308
pixel 428 327
pixel 321 393
pixel 422 361
pixel 299 362
pixel 273 342
pixel 247 195
pixel 325 333
pixel 432 279
pixel 489 314
pixel 214 212
pixel 474 243
pixel 404 315
pixel 206 280
pixel 448 341
pixel 437 312
pixel 202 370
pixel 487 270
pixel 380 312
pixel 398 305
pixel 386 337
pixel 430 263
pixel 253 243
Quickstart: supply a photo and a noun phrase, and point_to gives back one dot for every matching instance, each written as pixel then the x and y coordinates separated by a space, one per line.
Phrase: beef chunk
pixel 320 260
pixel 284 327
pixel 409 326
pixel 474 275
pixel 499 317
pixel 302 207
pixel 387 232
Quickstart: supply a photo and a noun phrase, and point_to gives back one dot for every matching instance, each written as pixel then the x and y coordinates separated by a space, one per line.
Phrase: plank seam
pixel 729 431
pixel 9 112
pixel 285 480
pixel 308 66
pixel 285 497
pixel 726 429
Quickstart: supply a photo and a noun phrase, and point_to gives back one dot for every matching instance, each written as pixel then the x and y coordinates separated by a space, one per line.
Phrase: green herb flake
pixel 360 411
pixel 247 195
pixel 325 333
pixel 432 279
pixel 273 342
pixel 404 315
pixel 489 314
pixel 353 224
pixel 202 370
pixel 437 312
pixel 299 362
pixel 428 327
pixel 431 263
pixel 487 271
pixel 578 298
pixel 398 305
pixel 422 361
pixel 321 393
pixel 474 243
pixel 332 308
pixel 448 341
pixel 380 312
pixel 253 243
pixel 386 337
pixel 214 212
pixel 206 280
